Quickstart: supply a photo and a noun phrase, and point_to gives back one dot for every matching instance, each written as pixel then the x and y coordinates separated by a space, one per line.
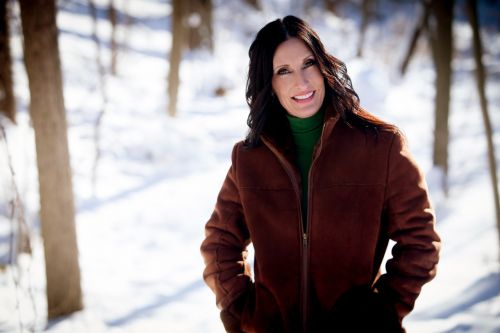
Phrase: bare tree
pixel 113 20
pixel 254 3
pixel 199 20
pixel 421 26
pixel 179 31
pixel 57 212
pixel 191 22
pixel 442 45
pixel 437 19
pixel 481 82
pixel 367 12
pixel 335 6
pixel 7 99
pixel 102 90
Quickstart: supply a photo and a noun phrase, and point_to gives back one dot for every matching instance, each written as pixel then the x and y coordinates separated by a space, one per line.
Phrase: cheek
pixel 274 85
pixel 317 78
pixel 279 88
pixel 321 84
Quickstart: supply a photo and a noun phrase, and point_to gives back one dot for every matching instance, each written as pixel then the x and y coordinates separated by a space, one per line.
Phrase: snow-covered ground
pixel 158 177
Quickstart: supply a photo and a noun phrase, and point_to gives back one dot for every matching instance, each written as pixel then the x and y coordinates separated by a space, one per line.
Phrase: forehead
pixel 290 51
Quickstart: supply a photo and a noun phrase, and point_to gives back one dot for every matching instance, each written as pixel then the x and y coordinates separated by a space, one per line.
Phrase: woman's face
pixel 297 81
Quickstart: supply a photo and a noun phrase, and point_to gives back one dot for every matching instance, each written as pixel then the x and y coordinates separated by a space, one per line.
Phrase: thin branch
pixel 419 28
pixel 104 97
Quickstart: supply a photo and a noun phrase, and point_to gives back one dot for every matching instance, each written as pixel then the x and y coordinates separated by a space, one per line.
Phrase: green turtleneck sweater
pixel 306 133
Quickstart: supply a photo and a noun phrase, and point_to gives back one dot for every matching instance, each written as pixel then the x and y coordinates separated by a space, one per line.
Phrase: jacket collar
pixel 287 150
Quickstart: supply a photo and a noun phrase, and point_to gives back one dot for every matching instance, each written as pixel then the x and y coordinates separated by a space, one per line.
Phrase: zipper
pixel 304 231
pixel 305 236
pixel 305 280
pixel 304 239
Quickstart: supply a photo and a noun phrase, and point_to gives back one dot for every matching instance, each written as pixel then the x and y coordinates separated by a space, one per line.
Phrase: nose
pixel 301 79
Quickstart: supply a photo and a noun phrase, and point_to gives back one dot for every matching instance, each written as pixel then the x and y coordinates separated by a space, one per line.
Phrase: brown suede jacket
pixel 364 189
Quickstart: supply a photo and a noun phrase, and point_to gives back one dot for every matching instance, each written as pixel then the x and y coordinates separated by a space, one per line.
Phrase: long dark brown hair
pixel 267 116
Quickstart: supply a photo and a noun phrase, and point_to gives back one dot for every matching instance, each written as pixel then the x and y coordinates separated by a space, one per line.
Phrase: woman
pixel 319 186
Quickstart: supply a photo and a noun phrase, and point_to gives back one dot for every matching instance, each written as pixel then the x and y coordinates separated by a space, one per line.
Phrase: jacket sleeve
pixel 227 272
pixel 410 223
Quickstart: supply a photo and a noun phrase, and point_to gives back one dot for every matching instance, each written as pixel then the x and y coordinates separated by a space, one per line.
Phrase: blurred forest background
pixel 117 118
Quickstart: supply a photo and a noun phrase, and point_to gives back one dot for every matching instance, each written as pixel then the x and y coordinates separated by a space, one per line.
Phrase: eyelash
pixel 282 71
pixel 308 63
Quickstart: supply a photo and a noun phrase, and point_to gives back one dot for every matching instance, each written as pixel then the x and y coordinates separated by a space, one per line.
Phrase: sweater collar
pixel 330 121
pixel 306 125
pixel 270 139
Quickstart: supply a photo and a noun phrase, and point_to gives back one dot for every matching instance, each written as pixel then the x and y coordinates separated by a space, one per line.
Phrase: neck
pixel 305 125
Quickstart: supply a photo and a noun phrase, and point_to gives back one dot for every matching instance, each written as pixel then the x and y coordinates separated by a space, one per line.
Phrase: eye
pixel 282 71
pixel 309 62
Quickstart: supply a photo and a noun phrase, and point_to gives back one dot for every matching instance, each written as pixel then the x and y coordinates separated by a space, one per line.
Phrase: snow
pixel 140 229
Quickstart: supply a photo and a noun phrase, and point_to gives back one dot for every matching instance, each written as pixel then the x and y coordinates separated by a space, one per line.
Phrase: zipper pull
pixel 304 238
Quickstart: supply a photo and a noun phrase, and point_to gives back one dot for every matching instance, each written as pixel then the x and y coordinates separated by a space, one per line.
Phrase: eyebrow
pixel 284 65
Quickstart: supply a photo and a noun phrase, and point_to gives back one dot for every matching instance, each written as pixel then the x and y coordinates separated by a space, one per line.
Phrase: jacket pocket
pixel 361 310
pixel 261 313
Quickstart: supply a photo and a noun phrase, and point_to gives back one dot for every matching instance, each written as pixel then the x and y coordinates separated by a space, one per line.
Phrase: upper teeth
pixel 304 96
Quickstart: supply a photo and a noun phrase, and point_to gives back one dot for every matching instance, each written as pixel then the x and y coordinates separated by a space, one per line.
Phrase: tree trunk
pixel 113 20
pixel 254 3
pixel 7 99
pixel 102 87
pixel 57 213
pixel 481 82
pixel 443 14
pixel 331 5
pixel 179 31
pixel 367 8
pixel 199 21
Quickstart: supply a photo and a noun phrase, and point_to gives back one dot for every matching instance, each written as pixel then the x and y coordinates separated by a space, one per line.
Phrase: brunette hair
pixel 267 116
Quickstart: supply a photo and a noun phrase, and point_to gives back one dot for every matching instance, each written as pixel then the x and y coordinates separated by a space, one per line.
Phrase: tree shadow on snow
pixel 482 290
pixel 462 328
pixel 161 301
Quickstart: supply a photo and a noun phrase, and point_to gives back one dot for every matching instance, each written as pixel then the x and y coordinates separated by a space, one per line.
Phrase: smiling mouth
pixel 304 98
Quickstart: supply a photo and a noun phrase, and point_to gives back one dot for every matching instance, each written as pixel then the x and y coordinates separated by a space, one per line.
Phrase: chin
pixel 309 113
pixel 303 114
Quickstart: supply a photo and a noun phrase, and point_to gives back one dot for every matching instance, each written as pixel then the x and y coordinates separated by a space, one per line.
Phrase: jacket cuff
pixel 232 314
pixel 390 296
pixel 240 285
pixel 231 323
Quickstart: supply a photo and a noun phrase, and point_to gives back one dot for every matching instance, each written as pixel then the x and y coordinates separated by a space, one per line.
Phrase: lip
pixel 306 99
